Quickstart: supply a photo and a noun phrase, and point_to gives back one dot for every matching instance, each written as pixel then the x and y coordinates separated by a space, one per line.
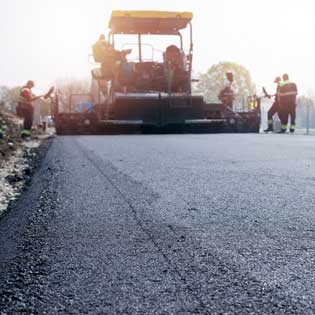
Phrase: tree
pixel 3 96
pixel 305 112
pixel 212 81
pixel 4 91
pixel 14 95
pixel 9 97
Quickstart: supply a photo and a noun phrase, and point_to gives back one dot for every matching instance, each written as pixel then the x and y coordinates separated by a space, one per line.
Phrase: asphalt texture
pixel 164 224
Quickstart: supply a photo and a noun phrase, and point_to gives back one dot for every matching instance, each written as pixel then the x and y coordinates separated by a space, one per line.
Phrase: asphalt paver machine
pixel 152 89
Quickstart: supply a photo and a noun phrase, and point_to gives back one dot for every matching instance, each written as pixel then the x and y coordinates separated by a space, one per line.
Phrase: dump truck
pixel 151 88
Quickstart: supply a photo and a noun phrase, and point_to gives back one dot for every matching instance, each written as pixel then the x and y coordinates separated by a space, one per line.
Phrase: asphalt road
pixel 164 224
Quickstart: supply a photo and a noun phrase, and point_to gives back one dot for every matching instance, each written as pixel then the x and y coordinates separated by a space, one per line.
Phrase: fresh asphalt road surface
pixel 164 224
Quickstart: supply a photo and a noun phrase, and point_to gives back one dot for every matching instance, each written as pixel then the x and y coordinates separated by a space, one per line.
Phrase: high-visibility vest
pixel 102 51
pixel 287 92
pixel 25 95
pixel 226 95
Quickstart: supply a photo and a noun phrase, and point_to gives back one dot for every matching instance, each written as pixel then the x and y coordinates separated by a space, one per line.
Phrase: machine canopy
pixel 149 22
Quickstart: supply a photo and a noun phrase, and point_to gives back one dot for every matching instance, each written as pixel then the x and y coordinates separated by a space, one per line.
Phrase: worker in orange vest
pixel 226 95
pixel 287 97
pixel 25 107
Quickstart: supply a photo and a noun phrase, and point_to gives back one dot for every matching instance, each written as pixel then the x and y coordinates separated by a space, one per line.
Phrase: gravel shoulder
pixel 17 158
pixel 15 171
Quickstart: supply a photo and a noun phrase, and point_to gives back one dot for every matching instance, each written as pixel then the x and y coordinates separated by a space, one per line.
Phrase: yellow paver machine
pixel 147 84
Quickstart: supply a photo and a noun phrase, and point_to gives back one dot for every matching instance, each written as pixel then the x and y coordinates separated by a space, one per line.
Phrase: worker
pixel 101 49
pixel 287 99
pixel 226 95
pixel 104 54
pixel 25 107
pixel 172 64
pixel 173 58
pixel 275 108
pixel 111 60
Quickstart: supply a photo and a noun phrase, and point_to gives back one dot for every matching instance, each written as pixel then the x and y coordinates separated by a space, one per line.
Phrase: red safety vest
pixel 26 95
pixel 287 92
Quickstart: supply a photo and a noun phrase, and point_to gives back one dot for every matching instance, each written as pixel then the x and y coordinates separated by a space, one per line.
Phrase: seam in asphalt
pixel 145 230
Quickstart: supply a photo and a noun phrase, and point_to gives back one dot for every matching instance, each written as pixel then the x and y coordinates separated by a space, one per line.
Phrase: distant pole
pixel 262 118
pixel 308 118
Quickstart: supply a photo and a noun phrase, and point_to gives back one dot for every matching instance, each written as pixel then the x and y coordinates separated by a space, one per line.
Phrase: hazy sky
pixel 47 40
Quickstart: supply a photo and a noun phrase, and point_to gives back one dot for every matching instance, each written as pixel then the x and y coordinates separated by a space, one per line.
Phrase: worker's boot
pixel 26 134
pixel 269 129
pixel 282 130
pixel 270 126
pixel 292 129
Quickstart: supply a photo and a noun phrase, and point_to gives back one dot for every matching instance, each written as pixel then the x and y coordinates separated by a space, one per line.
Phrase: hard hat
pixel 277 80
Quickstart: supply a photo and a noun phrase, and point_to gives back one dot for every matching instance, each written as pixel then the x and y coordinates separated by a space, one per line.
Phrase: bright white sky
pixel 46 40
